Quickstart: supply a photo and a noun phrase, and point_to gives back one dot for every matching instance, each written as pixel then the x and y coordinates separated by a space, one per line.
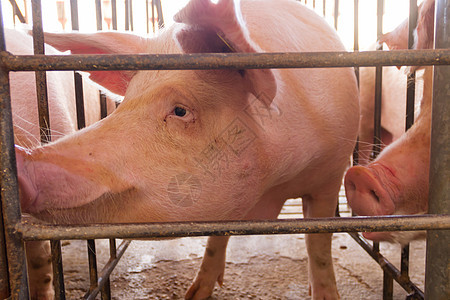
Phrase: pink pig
pixel 208 145
pixel 61 99
pixel 397 181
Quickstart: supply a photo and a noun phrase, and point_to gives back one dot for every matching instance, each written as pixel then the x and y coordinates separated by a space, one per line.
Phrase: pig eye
pixel 179 111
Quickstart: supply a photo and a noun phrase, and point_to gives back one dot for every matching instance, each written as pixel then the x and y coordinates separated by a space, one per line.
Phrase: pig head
pixel 397 181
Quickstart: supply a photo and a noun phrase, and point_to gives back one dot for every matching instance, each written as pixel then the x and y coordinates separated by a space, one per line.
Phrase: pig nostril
pixel 375 195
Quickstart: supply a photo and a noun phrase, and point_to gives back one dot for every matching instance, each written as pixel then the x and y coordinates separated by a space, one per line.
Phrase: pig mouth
pixel 108 208
pixel 367 191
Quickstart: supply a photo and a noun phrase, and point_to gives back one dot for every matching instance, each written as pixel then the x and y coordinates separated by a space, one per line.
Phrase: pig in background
pixel 207 145
pixel 61 99
pixel 397 181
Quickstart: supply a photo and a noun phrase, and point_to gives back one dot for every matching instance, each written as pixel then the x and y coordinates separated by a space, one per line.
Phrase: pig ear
pixel 219 28
pixel 424 38
pixel 101 43
pixel 398 38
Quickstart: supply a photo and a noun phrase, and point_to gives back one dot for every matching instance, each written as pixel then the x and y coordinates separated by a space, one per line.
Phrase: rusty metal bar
pixel 103 105
pixel 224 61
pixel 109 267
pixel 437 279
pixel 17 11
pixel 387 267
pixel 178 229
pixel 92 257
pixel 58 282
pixel 9 196
pixel 388 285
pixel 79 99
pixel 411 81
pixel 41 78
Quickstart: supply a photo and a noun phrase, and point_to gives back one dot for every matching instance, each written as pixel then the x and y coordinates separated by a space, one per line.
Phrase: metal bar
pixel 336 13
pixel 324 11
pixel 224 61
pixel 92 256
pixel 98 14
pixel 109 267
pixel 404 263
pixel 9 196
pixel 405 283
pixel 79 98
pixel 388 286
pixel 17 11
pixel 131 15
pixel 58 282
pixel 160 14
pixel 41 77
pixel 411 86
pixel 4 276
pixel 114 14
pixel 103 105
pixel 437 279
pixel 74 14
pixel 180 229
pixel 127 15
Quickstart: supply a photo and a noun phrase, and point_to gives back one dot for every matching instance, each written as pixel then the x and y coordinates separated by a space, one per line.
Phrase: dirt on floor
pixel 258 267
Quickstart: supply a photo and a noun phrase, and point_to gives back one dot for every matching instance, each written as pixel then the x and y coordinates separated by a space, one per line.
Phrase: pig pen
pixel 167 276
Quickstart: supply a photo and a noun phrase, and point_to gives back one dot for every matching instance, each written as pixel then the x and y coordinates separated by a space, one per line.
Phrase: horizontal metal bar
pixel 107 270
pixel 224 61
pixel 179 229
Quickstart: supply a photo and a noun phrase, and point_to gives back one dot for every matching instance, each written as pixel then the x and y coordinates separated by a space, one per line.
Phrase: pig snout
pixel 44 185
pixel 366 193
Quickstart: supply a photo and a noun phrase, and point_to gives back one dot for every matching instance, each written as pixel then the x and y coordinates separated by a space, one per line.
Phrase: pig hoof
pixel 203 286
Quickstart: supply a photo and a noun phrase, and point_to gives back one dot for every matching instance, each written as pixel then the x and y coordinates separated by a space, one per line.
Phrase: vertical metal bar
pixel 98 14
pixel 336 13
pixel 377 113
pixel 58 270
pixel 131 15
pixel 127 15
pixel 147 17
pixel 160 14
pixel 79 99
pixel 9 196
pixel 404 264
pixel 92 256
pixel 4 276
pixel 324 3
pixel 411 87
pixel 112 248
pixel 356 48
pixel 378 84
pixel 437 279
pixel 41 78
pixel 74 14
pixel 410 95
pixel 114 14
pixel 103 106
pixel 388 286
pixel 153 16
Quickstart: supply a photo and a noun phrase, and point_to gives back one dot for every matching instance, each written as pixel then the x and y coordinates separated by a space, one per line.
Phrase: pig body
pixel 393 108
pixel 397 181
pixel 208 145
pixel 62 108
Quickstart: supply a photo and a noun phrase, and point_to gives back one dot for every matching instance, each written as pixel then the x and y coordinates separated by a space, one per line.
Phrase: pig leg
pixel 322 281
pixel 211 270
pixel 40 272
pixel 213 264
